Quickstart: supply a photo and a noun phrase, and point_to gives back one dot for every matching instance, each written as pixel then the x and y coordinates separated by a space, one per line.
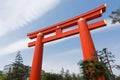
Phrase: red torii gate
pixel 83 29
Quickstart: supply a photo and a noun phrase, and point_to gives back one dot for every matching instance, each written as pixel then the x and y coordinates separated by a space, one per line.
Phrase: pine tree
pixel 19 71
pixel 115 16
pixel 19 59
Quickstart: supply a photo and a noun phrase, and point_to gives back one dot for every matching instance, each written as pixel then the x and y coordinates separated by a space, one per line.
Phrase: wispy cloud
pixel 22 44
pixel 14 47
pixel 16 13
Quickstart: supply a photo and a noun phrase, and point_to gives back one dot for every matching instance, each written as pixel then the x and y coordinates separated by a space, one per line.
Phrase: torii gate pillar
pixel 37 59
pixel 86 40
pixel 88 47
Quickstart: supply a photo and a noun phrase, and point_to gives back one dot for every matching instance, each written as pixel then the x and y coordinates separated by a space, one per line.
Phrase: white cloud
pixel 22 45
pixel 16 13
pixel 14 47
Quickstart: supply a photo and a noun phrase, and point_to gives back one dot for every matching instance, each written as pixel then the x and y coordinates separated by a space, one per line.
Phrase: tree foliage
pixel 115 16
pixel 18 73
pixel 3 76
pixel 19 70
pixel 92 69
pixel 64 75
pixel 50 76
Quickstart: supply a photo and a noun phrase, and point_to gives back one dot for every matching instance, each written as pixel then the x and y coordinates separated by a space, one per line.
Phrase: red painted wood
pixel 86 40
pixel 88 47
pixel 102 8
pixel 58 31
pixel 83 29
pixel 37 59
pixel 70 24
pixel 70 33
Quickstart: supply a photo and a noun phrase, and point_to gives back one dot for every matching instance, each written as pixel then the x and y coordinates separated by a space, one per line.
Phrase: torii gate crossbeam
pixel 83 29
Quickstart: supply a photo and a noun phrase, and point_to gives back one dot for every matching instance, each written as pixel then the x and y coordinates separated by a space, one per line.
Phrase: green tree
pixel 19 70
pixel 2 76
pixel 67 76
pixel 118 67
pixel 50 76
pixel 117 78
pixel 62 72
pixel 78 77
pixel 92 69
pixel 64 75
pixel 18 73
pixel 115 16
pixel 74 77
pixel 107 58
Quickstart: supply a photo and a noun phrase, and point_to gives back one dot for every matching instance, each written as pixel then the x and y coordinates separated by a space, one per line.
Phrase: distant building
pixel 9 68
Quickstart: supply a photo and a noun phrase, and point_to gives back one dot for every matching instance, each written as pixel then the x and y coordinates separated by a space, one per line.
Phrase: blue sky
pixel 17 18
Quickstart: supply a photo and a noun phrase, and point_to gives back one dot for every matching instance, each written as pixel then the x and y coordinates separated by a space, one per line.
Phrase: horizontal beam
pixel 102 8
pixel 70 33
pixel 70 24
